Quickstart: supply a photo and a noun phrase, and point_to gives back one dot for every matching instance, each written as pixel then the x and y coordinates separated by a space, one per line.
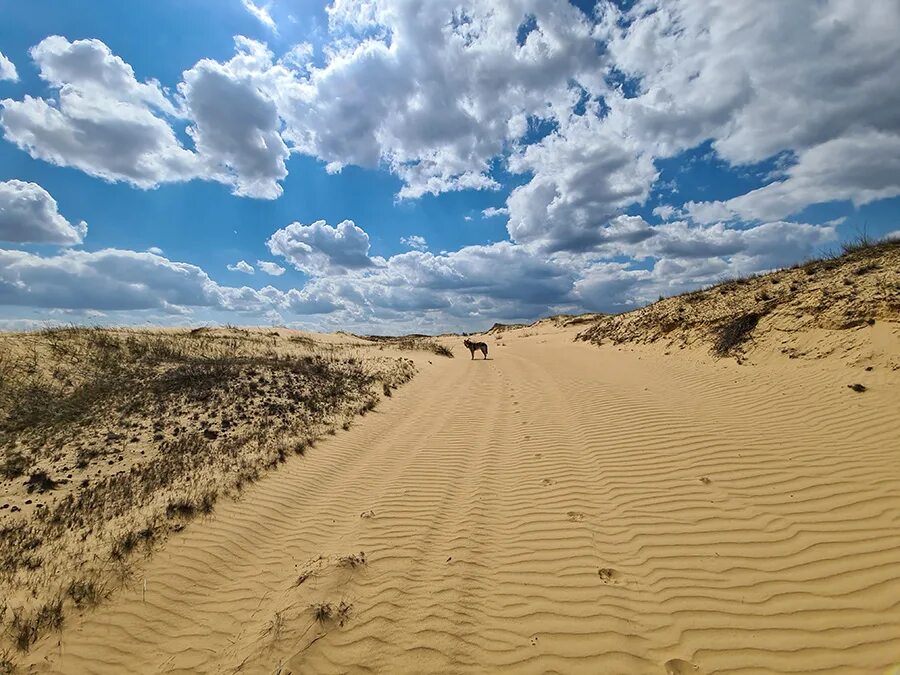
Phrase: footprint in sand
pixel 608 575
pixel 706 480
pixel 548 481
pixel 367 514
pixel 575 516
pixel 680 667
pixel 537 455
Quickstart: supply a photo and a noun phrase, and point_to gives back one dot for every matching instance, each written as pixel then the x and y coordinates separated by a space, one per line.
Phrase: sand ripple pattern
pixel 560 508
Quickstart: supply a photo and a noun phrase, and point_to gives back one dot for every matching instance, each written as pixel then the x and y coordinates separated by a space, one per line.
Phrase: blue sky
pixel 626 160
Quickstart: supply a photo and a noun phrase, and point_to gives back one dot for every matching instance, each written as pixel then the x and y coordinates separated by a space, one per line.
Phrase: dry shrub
pixel 733 333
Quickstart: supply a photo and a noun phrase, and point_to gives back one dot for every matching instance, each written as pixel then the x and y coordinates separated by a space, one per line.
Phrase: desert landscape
pixel 704 485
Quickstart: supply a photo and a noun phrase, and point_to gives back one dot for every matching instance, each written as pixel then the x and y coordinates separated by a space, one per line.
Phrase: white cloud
pixel 319 249
pixel 90 67
pixel 273 269
pixel 106 123
pixel 110 279
pixel 582 177
pixel 241 266
pixel 686 257
pixel 260 13
pixel 665 211
pixel 102 121
pixel 491 211
pixel 861 167
pixel 155 249
pixel 430 93
pixel 418 290
pixel 415 241
pixel 29 214
pixel 707 212
pixel 439 96
pixel 236 128
pixel 114 280
pixel 813 79
pixel 7 69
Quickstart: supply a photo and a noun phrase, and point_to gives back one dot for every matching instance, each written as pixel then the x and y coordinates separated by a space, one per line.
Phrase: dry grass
pixel 111 439
pixel 353 560
pixel 734 332
pixel 854 289
pixel 326 612
pixel 422 343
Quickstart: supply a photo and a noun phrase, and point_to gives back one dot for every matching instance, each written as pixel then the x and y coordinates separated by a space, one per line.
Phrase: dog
pixel 475 346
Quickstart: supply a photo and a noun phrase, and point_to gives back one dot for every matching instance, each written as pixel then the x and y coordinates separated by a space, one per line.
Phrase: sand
pixel 561 507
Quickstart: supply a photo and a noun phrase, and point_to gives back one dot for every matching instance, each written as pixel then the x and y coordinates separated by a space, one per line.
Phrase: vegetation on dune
pixel 122 436
pixel 856 288
pixel 410 343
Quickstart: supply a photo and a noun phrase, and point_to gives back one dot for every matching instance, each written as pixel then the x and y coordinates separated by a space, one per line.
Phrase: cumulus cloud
pixel 110 279
pixel 415 241
pixel 684 257
pixel 582 177
pixel 28 214
pixel 417 290
pixel 430 92
pixel 102 121
pixel 319 249
pixel 235 124
pixel 241 266
pixel 120 280
pixel 91 67
pixel 108 124
pixel 273 269
pixel 438 94
pixel 760 79
pixel 7 69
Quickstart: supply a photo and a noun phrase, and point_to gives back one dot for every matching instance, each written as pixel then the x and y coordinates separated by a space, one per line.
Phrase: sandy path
pixel 544 512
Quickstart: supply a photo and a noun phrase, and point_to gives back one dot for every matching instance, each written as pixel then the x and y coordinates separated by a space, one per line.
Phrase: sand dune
pixel 561 507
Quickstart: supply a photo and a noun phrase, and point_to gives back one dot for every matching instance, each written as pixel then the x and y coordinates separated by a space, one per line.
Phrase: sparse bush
pixel 442 350
pixel 86 593
pixel 734 332
pixel 27 628
pixel 353 560
pixel 325 612
pixel 15 464
pixel 7 665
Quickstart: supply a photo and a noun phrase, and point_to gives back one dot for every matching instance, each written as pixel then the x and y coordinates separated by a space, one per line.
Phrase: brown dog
pixel 475 346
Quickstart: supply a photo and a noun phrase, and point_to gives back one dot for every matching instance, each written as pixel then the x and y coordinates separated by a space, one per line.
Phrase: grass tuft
pixel 734 332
